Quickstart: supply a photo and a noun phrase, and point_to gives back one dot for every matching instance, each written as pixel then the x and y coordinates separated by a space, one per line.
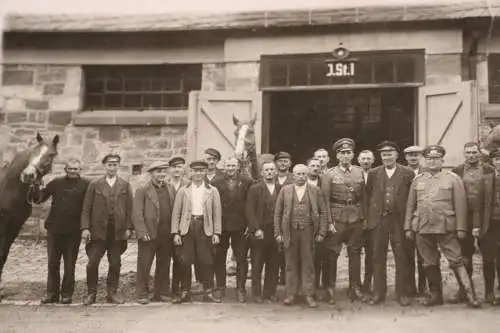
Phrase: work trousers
pixel 389 230
pixel 265 253
pixel 95 251
pixel 300 261
pixel 161 248
pixel 63 246
pixel 367 245
pixel 237 241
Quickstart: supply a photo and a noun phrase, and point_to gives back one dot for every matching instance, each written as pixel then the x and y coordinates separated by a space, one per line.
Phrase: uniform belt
pixel 197 217
pixel 344 202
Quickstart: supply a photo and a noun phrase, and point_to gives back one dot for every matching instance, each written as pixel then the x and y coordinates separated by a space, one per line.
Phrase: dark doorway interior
pixel 302 121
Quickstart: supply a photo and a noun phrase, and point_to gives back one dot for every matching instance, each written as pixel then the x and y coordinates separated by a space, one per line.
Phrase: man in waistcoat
pixel 153 203
pixel 343 188
pixel 106 225
pixel 436 216
pixel 471 172
pixel 387 191
pixel 299 222
pixel 261 202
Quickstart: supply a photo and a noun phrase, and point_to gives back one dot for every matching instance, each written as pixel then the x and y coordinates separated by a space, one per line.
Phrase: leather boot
pixel 465 281
pixel 489 282
pixel 435 296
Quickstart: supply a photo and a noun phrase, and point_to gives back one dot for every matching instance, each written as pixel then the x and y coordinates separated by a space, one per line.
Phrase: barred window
pixel 141 87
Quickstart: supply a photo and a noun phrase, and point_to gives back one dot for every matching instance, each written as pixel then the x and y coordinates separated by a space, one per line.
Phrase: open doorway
pixel 302 121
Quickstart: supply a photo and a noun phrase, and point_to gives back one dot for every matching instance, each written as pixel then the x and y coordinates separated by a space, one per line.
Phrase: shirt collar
pixel 345 169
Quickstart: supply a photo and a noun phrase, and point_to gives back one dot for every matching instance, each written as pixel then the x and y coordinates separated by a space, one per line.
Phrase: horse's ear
pixel 39 138
pixel 55 141
pixel 253 120
pixel 236 121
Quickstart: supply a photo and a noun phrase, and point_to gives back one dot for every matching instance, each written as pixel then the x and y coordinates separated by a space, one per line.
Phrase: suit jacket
pixel 96 204
pixel 256 205
pixel 487 201
pixel 233 204
pixel 146 217
pixel 289 180
pixel 284 208
pixel 475 210
pixel 212 212
pixel 375 192
pixel 218 174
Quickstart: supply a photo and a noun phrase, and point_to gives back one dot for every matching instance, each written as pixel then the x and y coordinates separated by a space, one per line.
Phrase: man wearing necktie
pixel 343 189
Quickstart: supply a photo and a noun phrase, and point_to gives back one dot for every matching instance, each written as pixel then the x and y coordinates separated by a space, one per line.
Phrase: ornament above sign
pixel 340 65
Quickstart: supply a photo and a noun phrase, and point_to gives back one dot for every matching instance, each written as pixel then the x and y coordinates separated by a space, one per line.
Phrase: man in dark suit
pixel 488 231
pixel 106 226
pixel 366 160
pixel 153 204
pixel 299 221
pixel 233 189
pixel 387 191
pixel 413 157
pixel 471 172
pixel 260 206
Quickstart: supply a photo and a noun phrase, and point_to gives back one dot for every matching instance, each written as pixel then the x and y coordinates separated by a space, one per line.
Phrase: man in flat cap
pixel 196 226
pixel 212 157
pixel 153 204
pixel 436 216
pixel 106 225
pixel 472 172
pixel 488 230
pixel 299 221
pixel 343 188
pixel 413 157
pixel 283 163
pixel 233 189
pixel 387 191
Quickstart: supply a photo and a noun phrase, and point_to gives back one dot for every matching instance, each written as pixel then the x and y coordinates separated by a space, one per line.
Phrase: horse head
pixel 245 137
pixel 40 160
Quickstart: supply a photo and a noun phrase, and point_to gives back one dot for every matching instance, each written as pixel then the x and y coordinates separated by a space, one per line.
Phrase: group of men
pixel 293 222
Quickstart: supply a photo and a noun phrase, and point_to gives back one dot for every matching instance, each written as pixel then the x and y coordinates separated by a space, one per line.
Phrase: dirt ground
pixel 25 274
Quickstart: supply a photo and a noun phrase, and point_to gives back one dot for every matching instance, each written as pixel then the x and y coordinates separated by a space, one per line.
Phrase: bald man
pixel 299 221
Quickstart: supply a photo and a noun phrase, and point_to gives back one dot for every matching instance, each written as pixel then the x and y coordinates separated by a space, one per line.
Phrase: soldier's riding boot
pixel 435 296
pixel 489 282
pixel 332 277
pixel 465 281
pixel 355 276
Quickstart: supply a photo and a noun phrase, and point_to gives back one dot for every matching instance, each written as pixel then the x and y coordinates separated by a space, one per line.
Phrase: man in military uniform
pixel 343 190
pixel 436 215
pixel 471 172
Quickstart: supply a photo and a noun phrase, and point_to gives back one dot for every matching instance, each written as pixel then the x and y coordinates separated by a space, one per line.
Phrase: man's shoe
pixel 404 301
pixel 66 300
pixel 162 299
pixel 50 299
pixel 183 298
pixel 376 300
pixel 289 300
pixel 115 299
pixel 89 299
pixel 490 299
pixel 240 296
pixel 310 302
pixel 143 300
pixel 210 298
pixel 273 298
pixel 257 299
pixel 355 294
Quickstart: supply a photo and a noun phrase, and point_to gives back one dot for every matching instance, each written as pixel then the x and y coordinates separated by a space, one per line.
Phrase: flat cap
pixel 158 165
pixel 213 152
pixel 495 153
pixel 198 164
pixel 343 144
pixel 387 145
pixel 282 155
pixel 413 149
pixel 434 151
pixel 111 156
pixel 176 160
